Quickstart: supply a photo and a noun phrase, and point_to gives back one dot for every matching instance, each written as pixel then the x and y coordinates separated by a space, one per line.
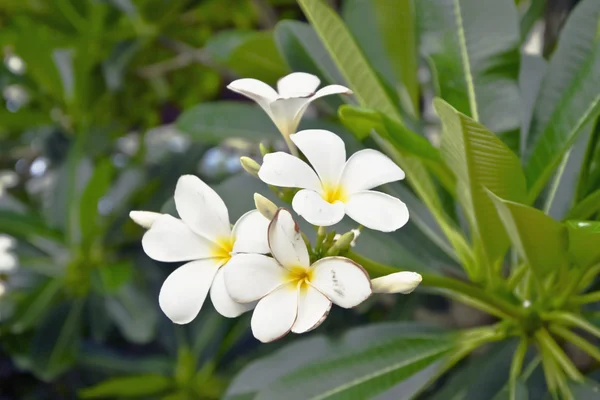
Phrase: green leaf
pixel 396 22
pixel 473 49
pixel 115 66
pixel 586 207
pixel 584 237
pixel 133 313
pixel 33 307
pixel 480 161
pixel 248 54
pixel 531 74
pixel 348 57
pixel 587 390
pixel 128 386
pixel 540 241
pixel 26 226
pixel 96 188
pixel 569 97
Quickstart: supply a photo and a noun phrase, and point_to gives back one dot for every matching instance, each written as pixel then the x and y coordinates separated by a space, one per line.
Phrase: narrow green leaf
pixel 480 161
pixel 540 241
pixel 96 188
pixel 31 310
pixel 584 237
pixel 586 207
pixel 570 95
pixel 133 314
pixel 128 386
pixel 473 49
pixel 26 226
pixel 348 57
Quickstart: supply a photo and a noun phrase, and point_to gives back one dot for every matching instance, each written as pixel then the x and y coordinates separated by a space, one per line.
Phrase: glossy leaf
pixel 584 237
pixel 348 57
pixel 570 95
pixel 480 162
pixel 540 241
pixel 128 386
pixel 472 46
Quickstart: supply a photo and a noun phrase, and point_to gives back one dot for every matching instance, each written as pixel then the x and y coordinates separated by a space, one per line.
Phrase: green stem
pixel 570 319
pixel 517 276
pixel 586 298
pixel 516 366
pixel 545 340
pixel 577 340
pixel 462 291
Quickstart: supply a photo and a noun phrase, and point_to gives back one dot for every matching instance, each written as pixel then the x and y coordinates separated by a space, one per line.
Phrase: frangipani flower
pixel 337 187
pixel 404 282
pixel 291 293
pixel 8 260
pixel 8 179
pixel 286 105
pixel 204 237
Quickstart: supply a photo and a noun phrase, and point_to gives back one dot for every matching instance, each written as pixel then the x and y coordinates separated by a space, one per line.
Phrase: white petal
pixel 7 242
pixel 183 292
pixel 145 219
pixel 8 262
pixel 376 210
pixel 201 208
pixel 250 233
pixel 313 307
pixel 169 239
pixel 8 178
pixel 284 170
pixel 342 280
pixel 285 241
pixel 324 150
pixel 329 90
pixel 297 84
pixel 221 300
pixel 400 282
pixel 367 169
pixel 275 314
pixel 249 277
pixel 311 206
pixel 254 89
pixel 287 113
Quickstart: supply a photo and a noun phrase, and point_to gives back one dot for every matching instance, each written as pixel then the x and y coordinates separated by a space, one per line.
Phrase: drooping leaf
pixel 584 237
pixel 472 46
pixel 348 57
pixel 136 386
pixel 540 241
pixel 569 97
pixel 480 162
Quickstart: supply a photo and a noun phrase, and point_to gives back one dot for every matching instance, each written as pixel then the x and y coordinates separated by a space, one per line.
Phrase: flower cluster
pixel 264 262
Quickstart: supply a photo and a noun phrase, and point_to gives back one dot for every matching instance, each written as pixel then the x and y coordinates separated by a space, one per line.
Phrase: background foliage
pixel 107 102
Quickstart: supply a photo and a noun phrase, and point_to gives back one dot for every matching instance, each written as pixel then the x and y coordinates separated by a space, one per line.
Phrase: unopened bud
pixel 145 219
pixel 250 166
pixel 400 282
pixel 341 244
pixel 265 206
pixel 264 149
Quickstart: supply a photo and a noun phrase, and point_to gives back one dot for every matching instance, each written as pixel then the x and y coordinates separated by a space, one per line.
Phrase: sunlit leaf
pixel 139 386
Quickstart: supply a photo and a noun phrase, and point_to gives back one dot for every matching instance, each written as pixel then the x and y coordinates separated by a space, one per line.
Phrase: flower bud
pixel 400 282
pixel 250 166
pixel 265 206
pixel 264 149
pixel 145 219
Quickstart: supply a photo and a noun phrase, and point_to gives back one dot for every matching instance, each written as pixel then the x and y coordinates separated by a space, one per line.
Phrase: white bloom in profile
pixel 336 187
pixel 292 294
pixel 286 105
pixel 8 260
pixel 8 179
pixel 404 282
pixel 204 237
pixel 145 219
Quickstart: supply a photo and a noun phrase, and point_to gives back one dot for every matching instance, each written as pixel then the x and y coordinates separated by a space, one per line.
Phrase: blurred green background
pixel 105 103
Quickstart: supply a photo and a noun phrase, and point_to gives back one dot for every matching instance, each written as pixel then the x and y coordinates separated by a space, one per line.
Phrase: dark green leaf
pixel 133 313
pixel 115 66
pixel 96 188
pixel 33 307
pixel 26 226
pixel 129 386
pixel 584 237
pixel 569 97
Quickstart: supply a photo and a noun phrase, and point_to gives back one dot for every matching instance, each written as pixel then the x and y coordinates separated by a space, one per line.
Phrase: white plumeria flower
pixel 8 260
pixel 204 237
pixel 8 179
pixel 404 282
pixel 337 187
pixel 286 105
pixel 145 219
pixel 292 294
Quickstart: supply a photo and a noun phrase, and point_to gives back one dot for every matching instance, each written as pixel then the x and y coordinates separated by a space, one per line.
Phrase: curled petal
pixel 169 239
pixel 313 307
pixel 221 300
pixel 297 84
pixel 329 90
pixel 367 169
pixel 311 206
pixel 184 291
pixel 250 233
pixel 284 170
pixel 324 150
pixel 400 282
pixel 342 280
pixel 285 241
pixel 201 208
pixel 376 210
pixel 249 277
pixel 275 314
pixel 145 219
pixel 254 89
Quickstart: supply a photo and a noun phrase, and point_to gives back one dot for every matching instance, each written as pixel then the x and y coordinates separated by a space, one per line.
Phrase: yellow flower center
pixel 333 193
pixel 223 248
pixel 299 276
